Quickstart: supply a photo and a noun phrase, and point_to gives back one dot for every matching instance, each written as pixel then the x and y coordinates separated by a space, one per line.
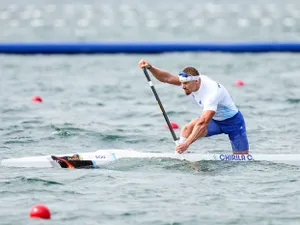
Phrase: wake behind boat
pixel 105 156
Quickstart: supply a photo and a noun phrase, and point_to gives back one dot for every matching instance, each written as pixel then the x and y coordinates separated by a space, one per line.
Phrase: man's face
pixel 189 87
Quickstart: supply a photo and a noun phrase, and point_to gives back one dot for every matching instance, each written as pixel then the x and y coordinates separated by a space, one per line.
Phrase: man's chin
pixel 187 92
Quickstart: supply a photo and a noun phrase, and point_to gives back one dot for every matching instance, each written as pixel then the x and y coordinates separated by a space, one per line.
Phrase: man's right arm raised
pixel 159 74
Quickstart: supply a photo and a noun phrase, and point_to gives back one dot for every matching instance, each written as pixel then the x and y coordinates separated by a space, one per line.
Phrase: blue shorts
pixel 235 128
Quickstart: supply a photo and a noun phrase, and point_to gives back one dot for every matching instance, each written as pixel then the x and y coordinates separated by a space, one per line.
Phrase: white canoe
pixel 102 157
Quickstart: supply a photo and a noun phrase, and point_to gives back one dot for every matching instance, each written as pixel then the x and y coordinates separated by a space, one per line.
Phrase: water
pixel 104 101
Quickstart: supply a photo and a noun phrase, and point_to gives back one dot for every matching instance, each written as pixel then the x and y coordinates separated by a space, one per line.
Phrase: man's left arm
pixel 200 128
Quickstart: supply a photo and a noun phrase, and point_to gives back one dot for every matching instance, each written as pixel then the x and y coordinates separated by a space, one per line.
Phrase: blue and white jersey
pixel 213 96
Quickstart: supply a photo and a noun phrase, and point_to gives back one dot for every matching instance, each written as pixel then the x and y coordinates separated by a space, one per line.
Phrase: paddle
pixel 160 105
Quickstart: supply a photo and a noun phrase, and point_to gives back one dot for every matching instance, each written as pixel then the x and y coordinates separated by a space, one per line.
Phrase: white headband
pixel 189 78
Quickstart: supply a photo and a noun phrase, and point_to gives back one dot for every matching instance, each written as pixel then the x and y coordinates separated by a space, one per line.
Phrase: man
pixel 220 114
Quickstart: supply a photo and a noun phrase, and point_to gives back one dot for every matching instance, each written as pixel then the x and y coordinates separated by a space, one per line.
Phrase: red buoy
pixel 40 211
pixel 36 99
pixel 173 125
pixel 239 83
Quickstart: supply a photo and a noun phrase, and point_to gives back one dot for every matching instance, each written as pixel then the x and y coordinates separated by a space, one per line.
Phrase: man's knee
pixel 188 128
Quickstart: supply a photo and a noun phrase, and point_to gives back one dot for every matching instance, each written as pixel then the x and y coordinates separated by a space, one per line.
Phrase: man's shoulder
pixel 209 82
pixel 207 78
pixel 213 82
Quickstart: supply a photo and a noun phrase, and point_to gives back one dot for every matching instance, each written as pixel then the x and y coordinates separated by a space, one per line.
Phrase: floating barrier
pixel 144 47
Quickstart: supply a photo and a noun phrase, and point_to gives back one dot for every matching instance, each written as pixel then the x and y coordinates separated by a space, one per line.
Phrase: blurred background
pixel 149 20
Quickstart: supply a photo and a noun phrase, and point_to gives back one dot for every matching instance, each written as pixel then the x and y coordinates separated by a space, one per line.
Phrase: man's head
pixel 190 79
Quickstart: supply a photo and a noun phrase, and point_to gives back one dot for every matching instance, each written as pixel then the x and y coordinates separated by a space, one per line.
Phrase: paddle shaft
pixel 160 105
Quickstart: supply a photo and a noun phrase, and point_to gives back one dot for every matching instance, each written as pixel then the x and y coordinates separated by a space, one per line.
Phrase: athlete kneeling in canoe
pixel 220 114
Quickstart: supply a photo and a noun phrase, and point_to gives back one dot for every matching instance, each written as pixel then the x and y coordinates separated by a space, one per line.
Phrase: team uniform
pixel 228 119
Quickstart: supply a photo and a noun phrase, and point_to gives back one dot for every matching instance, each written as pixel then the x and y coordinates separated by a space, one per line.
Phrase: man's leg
pixel 212 129
pixel 187 130
pixel 237 134
pixel 239 143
